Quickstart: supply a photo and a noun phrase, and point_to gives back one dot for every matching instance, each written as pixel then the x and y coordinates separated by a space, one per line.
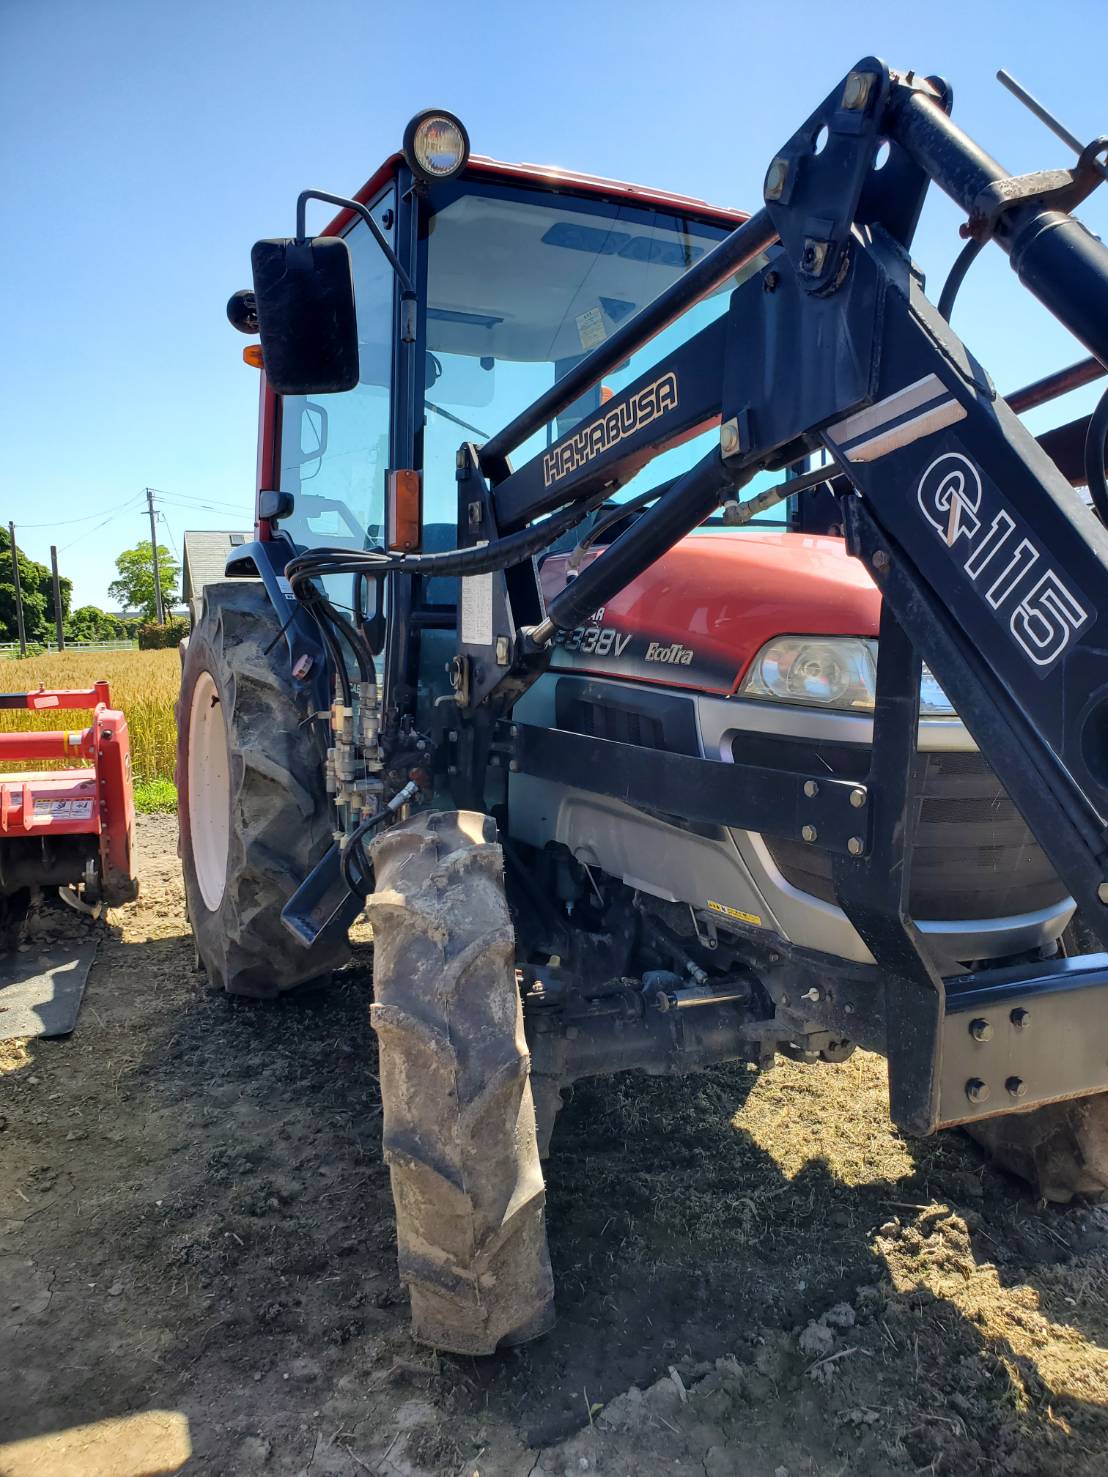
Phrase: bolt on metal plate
pixel 814 256
pixel 776 178
pixel 856 90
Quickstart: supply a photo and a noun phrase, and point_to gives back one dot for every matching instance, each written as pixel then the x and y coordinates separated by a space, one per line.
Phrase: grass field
pixel 144 684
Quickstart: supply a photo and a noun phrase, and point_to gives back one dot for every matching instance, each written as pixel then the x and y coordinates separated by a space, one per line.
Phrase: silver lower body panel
pixel 732 873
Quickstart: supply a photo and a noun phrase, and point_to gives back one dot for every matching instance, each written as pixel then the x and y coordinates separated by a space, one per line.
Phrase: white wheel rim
pixel 209 797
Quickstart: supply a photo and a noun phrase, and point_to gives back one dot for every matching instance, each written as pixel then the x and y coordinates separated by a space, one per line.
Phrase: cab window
pixel 335 448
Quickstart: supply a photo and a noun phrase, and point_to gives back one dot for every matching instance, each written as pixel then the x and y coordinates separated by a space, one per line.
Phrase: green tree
pixel 36 586
pixel 134 589
pixel 90 623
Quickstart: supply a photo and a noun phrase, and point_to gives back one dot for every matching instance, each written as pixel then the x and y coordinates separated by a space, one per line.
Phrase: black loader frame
pixel 990 569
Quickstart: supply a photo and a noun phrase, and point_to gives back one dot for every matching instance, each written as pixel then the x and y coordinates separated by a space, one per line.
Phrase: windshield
pixel 520 286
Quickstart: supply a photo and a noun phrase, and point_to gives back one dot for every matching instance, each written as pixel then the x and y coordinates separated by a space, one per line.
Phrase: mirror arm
pixel 355 205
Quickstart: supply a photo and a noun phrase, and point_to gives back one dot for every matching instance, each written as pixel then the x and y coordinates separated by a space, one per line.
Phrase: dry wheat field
pixel 143 683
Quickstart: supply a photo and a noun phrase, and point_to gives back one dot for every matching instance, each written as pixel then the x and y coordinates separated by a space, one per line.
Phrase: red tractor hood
pixel 699 615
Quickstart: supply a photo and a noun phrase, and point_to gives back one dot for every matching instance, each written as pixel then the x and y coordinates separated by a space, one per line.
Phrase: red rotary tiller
pixel 72 827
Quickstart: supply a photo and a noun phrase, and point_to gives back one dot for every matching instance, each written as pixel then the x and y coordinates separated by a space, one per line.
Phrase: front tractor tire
pixel 1061 1149
pixel 253 811
pixel 459 1119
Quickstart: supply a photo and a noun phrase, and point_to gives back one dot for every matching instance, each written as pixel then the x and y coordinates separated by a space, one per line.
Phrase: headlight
pixel 829 672
pixel 436 145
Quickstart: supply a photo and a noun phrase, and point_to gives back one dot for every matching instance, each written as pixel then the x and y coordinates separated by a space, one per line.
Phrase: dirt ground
pixel 755 1274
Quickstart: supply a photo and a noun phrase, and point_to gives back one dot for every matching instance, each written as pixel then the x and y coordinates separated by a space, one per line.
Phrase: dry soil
pixel 756 1275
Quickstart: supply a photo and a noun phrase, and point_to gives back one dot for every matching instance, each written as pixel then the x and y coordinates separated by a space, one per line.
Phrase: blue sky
pixel 145 145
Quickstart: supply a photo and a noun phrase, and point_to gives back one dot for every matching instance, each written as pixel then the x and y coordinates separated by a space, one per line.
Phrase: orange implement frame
pixel 92 799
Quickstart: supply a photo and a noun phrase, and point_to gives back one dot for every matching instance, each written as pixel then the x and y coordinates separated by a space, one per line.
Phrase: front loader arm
pixel 990 569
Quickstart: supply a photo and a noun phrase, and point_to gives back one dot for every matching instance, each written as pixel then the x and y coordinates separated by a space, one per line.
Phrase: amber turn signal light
pixel 404 505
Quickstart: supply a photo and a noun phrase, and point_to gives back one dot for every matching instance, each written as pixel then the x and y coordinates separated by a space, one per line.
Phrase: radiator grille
pixel 973 854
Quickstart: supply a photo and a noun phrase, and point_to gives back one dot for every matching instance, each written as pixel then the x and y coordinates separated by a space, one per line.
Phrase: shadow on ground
pixel 194 1217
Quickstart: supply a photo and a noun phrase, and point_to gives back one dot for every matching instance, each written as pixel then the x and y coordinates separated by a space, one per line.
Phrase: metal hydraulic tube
pixel 1052 386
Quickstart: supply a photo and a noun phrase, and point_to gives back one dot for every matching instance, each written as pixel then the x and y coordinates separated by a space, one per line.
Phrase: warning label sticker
pixel 44 700
pixel 63 810
pixel 476 622
pixel 590 328
pixel 737 913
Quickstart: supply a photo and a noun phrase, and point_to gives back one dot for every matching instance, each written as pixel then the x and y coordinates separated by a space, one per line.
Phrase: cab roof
pixel 549 176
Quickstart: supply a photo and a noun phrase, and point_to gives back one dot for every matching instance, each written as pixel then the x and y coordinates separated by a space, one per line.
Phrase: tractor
pixel 799 748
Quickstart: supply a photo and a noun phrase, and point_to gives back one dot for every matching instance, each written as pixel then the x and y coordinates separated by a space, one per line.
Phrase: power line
pixel 228 507
pixel 192 502
pixel 192 497
pixel 184 502
pixel 86 517
pixel 221 510
pixel 169 534
pixel 88 534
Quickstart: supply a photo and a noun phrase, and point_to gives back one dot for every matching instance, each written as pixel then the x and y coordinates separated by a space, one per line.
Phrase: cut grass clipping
pixel 143 684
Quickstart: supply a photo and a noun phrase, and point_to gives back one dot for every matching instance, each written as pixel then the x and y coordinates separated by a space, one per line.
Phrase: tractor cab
pixel 517 272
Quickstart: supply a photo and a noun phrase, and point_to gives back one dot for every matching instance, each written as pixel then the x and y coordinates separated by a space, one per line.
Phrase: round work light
pixel 436 145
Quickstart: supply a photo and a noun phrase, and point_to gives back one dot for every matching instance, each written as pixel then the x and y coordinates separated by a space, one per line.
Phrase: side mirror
pixel 304 302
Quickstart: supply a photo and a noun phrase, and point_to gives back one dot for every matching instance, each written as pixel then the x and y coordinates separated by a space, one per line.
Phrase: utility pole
pixel 18 594
pixel 57 598
pixel 154 550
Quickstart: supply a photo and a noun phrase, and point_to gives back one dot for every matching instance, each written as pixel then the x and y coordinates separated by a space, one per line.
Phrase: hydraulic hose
pixel 501 554
pixel 964 260
pixel 317 563
pixel 361 885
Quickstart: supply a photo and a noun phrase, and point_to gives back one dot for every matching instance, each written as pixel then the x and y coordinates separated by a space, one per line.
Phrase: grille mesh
pixel 973 854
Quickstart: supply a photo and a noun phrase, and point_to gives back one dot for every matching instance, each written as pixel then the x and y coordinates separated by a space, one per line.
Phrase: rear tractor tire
pixel 253 810
pixel 459 1119
pixel 1061 1149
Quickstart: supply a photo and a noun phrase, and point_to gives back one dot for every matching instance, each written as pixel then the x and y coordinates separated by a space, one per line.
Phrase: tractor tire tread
pixel 1060 1149
pixel 280 813
pixel 459 1121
